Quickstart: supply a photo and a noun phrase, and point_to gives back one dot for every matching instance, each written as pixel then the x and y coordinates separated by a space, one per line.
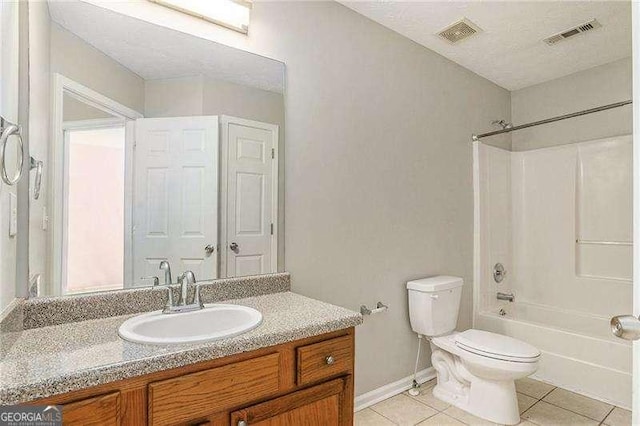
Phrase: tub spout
pixel 506 296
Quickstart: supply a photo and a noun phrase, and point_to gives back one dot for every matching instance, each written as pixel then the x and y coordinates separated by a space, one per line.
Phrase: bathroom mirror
pixel 162 147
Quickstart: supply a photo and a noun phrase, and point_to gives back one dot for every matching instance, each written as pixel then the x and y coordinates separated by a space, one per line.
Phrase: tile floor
pixel 540 404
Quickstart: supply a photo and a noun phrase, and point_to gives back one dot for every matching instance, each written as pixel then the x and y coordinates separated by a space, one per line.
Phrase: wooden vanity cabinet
pixel 304 382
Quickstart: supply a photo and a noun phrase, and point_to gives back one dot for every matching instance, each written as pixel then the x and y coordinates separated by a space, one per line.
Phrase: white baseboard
pixel 387 391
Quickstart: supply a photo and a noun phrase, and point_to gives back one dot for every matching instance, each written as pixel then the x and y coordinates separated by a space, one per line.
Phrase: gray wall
pixel 173 97
pixel 76 59
pixel 594 87
pixel 379 168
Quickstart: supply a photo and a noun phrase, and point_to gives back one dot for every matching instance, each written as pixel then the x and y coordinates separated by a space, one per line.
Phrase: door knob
pixel 626 327
pixel 209 249
pixel 234 247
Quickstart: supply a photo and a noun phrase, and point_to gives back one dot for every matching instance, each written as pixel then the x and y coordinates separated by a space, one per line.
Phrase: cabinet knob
pixel 330 360
pixel 242 423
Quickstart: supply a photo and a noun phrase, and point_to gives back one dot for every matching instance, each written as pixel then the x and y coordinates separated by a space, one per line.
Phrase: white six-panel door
pixel 249 197
pixel 175 195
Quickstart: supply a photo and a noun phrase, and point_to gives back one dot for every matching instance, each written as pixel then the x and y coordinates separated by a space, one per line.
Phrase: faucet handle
pixel 156 280
pixel 196 297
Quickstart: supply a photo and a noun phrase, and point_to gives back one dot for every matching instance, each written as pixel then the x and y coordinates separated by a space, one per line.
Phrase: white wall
pixel 9 109
pixel 591 88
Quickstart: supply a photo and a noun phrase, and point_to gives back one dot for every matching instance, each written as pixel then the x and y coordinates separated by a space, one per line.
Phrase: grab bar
pixel 606 243
pixel 36 164
pixel 9 129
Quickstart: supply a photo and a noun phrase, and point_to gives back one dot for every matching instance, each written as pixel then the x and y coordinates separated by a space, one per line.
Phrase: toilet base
pixel 495 401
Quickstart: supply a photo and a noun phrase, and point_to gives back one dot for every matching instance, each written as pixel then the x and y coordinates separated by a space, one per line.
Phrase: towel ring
pixel 7 132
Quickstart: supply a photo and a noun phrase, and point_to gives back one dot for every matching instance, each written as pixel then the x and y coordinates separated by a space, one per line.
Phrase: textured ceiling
pixel 510 51
pixel 155 52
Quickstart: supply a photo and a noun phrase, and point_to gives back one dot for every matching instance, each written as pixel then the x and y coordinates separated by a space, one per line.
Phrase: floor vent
pixel 582 28
pixel 459 31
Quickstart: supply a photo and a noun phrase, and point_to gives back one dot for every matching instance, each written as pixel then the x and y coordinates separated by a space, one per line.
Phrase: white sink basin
pixel 215 321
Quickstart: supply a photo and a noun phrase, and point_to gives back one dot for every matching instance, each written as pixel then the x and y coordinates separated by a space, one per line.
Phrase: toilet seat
pixel 496 346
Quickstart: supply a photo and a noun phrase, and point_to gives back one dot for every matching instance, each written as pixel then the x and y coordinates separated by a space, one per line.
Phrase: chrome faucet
pixel 164 266
pixel 506 296
pixel 186 279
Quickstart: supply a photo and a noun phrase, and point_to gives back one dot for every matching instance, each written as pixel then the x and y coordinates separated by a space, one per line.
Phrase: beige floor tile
pixel 403 410
pixel 533 388
pixel 526 423
pixel 441 419
pixel 571 401
pixel 429 384
pixel 546 414
pixel 426 397
pixel 618 417
pixel 466 418
pixel 525 402
pixel 368 417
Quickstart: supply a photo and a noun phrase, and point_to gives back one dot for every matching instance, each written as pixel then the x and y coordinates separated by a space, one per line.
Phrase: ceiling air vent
pixel 459 31
pixel 587 26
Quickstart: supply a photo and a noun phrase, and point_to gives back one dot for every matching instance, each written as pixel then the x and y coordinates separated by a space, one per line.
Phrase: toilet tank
pixel 434 303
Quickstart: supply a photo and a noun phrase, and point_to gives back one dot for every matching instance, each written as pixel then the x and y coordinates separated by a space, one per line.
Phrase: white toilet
pixel 476 369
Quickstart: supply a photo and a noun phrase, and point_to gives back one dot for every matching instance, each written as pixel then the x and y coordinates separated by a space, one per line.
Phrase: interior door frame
pixel 225 121
pixel 62 85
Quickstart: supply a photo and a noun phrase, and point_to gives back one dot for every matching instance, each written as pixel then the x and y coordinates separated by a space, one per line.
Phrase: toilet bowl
pixel 476 370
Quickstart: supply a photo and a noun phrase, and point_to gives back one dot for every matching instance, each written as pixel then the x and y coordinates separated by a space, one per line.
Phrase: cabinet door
pixel 103 410
pixel 321 405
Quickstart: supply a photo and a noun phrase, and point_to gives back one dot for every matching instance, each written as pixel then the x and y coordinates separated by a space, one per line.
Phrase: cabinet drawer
pixel 99 410
pixel 324 359
pixel 197 395
pixel 318 405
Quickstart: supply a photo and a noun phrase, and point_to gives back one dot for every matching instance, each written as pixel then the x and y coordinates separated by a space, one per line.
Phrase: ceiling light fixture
pixel 232 14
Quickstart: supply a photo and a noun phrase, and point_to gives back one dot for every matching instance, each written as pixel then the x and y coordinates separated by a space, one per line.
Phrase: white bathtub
pixel 578 350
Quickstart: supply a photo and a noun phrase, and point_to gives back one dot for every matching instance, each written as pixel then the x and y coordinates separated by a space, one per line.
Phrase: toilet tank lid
pixel 437 283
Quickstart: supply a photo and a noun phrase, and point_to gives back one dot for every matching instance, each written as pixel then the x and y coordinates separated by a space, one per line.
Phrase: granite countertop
pixel 51 360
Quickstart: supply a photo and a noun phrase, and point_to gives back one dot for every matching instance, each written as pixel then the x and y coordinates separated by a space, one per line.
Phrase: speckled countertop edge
pixel 287 317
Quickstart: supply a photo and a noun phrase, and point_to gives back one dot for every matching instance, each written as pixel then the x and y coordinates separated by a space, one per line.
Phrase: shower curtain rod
pixel 551 120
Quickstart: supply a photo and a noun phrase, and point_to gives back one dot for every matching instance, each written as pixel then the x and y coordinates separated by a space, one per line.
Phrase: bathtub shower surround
pixel 560 220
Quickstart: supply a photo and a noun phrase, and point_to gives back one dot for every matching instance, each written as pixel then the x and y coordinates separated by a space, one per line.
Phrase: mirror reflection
pixel 163 157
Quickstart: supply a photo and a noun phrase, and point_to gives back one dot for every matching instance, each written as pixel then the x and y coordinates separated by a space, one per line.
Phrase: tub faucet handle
pixel 499 272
